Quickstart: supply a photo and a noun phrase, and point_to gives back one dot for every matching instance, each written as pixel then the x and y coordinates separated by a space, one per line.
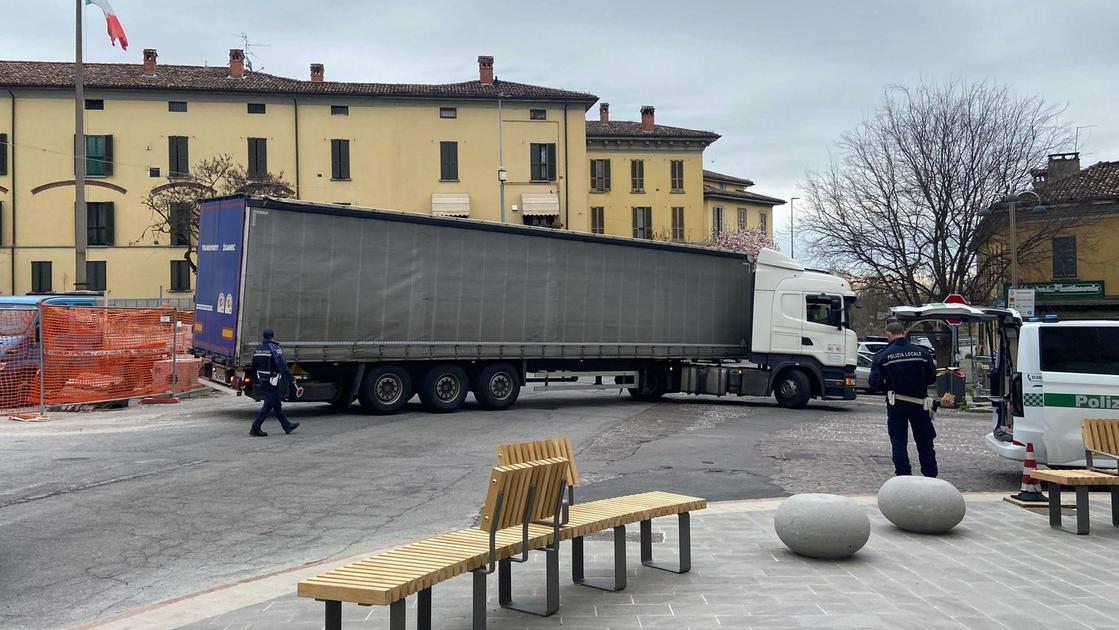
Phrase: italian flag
pixel 116 31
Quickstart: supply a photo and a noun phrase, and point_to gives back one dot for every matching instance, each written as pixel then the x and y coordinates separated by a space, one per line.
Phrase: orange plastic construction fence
pixel 97 354
pixel 19 360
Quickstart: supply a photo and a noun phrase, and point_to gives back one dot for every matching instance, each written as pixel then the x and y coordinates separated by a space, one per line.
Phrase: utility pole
pixel 501 175
pixel 792 229
pixel 80 227
pixel 1013 242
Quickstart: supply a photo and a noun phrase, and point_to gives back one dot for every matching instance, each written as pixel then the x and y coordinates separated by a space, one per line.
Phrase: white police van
pixel 1069 373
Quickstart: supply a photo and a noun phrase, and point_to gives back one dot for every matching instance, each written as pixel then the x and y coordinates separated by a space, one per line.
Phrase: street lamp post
pixel 1011 200
pixel 792 229
pixel 501 175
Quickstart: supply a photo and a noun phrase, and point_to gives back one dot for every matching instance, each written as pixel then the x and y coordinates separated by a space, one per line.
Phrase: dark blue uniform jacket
pixel 268 360
pixel 904 368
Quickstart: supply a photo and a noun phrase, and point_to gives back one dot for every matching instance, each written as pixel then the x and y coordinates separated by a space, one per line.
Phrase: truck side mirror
pixel 835 314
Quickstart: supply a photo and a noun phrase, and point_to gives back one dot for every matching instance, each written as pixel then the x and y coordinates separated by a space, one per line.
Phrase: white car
pixel 862 371
pixel 871 347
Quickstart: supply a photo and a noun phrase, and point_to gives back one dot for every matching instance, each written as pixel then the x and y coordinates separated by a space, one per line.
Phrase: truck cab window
pixel 817 309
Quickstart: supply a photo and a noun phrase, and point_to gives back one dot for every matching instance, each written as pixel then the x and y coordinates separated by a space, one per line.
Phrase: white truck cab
pixel 802 321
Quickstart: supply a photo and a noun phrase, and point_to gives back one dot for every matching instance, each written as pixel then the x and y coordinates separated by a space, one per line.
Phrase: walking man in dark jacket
pixel 272 375
pixel 904 371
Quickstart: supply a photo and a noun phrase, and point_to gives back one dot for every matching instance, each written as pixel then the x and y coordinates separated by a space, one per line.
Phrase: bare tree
pixel 175 204
pixel 900 209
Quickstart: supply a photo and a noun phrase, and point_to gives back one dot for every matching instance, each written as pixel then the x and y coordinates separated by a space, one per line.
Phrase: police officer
pixel 904 371
pixel 272 377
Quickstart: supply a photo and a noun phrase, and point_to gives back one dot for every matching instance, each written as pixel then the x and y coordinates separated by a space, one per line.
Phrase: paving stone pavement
pixel 1003 567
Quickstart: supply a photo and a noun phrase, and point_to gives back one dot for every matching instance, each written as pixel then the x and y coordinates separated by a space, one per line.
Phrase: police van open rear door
pixel 999 335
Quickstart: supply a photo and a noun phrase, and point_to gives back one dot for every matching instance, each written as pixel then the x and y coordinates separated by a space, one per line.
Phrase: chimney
pixel 236 63
pixel 485 69
pixel 647 117
pixel 1062 165
pixel 318 72
pixel 604 112
pixel 149 62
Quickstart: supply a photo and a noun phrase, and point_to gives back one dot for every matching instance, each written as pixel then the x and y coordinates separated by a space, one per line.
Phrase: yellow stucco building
pixel 646 180
pixel 730 207
pixel 1067 252
pixel 425 148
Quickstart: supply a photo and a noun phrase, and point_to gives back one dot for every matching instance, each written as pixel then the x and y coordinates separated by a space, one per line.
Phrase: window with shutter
pixel 678 223
pixel 1064 256
pixel 598 220
pixel 600 175
pixel 643 222
pixel 41 276
pixel 180 275
pixel 637 176
pixel 258 158
pixel 180 224
pixel 543 162
pixel 677 173
pixel 99 224
pixel 3 154
pixel 99 156
pixel 448 161
pixel 339 159
pixel 95 275
pixel 178 157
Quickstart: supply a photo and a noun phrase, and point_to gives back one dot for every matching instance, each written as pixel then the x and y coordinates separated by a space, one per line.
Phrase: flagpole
pixel 80 217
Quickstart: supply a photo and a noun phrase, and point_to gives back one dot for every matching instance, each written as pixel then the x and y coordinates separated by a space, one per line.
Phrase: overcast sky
pixel 780 80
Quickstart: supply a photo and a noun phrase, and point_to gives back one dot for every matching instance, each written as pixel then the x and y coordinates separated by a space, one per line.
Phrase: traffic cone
pixel 1030 491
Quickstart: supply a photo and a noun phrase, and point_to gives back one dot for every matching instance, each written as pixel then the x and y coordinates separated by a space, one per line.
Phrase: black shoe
pixel 258 434
pixel 291 427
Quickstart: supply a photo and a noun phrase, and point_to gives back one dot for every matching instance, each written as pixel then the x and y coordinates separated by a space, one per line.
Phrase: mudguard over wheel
pixel 497 386
pixel 384 389
pixel 443 388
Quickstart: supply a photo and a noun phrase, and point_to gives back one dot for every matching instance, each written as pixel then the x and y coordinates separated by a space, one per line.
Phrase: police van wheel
pixel 793 390
pixel 385 389
pixel 497 386
pixel 443 388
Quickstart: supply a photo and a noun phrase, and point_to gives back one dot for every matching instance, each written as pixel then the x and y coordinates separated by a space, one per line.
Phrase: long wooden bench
pixel 1101 438
pixel 580 520
pixel 522 512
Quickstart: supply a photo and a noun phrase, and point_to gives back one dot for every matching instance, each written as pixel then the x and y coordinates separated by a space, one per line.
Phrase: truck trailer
pixel 379 306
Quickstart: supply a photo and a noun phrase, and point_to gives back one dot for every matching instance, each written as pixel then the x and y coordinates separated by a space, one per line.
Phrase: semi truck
pixel 379 306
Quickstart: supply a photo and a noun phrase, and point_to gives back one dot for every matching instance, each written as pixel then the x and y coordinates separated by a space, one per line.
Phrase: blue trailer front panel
pixel 221 228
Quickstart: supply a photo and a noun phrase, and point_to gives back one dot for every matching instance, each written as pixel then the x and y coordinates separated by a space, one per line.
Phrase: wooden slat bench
pixel 1101 438
pixel 580 520
pixel 522 512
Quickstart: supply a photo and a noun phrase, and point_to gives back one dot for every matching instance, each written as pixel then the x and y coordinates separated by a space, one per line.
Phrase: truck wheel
pixel 443 388
pixel 655 387
pixel 497 386
pixel 793 389
pixel 385 389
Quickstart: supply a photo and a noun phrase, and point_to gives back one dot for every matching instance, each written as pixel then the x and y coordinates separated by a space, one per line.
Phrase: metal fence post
pixel 174 348
pixel 42 364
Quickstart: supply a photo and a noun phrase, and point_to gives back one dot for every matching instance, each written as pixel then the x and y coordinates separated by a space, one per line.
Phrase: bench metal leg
pixel 1055 506
pixel 1115 505
pixel 480 599
pixel 551 597
pixel 396 614
pixel 685 522
pixel 1083 516
pixel 333 615
pixel 619 582
pixel 423 609
pixel 1083 524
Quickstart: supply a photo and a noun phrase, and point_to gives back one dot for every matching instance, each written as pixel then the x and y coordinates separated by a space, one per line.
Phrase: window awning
pixel 450 204
pixel 539 204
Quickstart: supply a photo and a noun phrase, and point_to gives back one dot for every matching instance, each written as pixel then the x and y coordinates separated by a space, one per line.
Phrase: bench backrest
pixel 540 449
pixel 1101 436
pixel 515 484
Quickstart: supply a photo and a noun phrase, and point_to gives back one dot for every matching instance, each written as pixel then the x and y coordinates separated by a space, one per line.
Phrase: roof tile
pixel 630 129
pixel 1095 183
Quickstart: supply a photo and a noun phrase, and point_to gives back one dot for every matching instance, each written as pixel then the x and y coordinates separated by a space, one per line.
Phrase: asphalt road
pixel 105 511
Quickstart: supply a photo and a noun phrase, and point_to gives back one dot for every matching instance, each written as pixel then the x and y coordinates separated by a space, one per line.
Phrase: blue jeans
pixel 271 402
pixel 899 417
